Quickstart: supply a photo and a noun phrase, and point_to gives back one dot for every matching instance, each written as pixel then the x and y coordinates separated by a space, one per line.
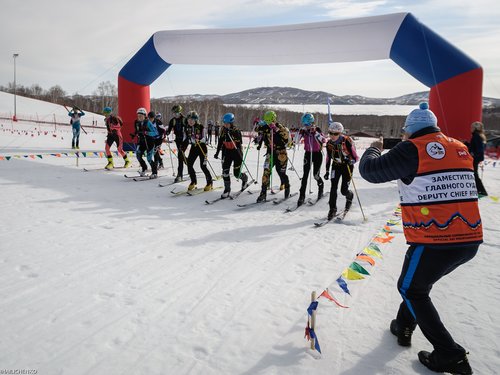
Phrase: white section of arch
pixel 359 39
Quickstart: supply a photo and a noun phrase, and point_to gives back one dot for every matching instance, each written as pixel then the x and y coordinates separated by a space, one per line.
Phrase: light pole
pixel 15 110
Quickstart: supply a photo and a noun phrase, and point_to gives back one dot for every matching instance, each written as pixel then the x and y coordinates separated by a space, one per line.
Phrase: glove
pixel 326 176
pixel 272 125
pixel 216 156
pixel 258 147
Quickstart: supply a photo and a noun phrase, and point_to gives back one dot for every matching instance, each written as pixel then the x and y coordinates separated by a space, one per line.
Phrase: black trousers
pixel 479 184
pixel 230 157
pixel 181 155
pixel 317 160
pixel 424 266
pixel 338 171
pixel 198 150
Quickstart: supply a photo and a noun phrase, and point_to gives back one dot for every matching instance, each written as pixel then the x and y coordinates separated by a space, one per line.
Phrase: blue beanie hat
pixel 419 119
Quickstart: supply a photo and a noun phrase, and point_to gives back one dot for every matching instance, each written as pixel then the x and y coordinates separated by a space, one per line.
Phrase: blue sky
pixel 79 44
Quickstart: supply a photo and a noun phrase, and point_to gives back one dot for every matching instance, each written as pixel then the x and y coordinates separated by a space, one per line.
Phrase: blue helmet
pixel 307 119
pixel 107 110
pixel 228 118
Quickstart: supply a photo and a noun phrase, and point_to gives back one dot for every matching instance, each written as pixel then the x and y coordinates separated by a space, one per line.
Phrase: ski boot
pixel 142 173
pixel 227 189
pixel 455 365
pixel 110 164
pixel 153 176
pixel 72 145
pixel 320 191
pixel 192 186
pixel 348 202
pixel 208 187
pixel 244 181
pixel 178 179
pixel 331 213
pixel 287 191
pixel 402 333
pixel 128 163
pixel 262 197
pixel 225 194
pixel 301 200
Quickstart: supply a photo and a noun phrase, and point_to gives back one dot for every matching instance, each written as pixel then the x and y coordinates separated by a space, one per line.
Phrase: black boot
pixel 262 196
pixel 287 190
pixel 402 333
pixel 227 190
pixel 348 202
pixel 458 364
pixel 244 181
pixel 301 200
pixel 332 213
pixel 320 190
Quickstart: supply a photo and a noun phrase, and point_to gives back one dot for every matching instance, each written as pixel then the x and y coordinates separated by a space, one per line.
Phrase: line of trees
pixel 106 94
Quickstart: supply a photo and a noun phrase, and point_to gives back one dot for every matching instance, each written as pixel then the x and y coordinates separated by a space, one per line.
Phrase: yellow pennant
pixel 350 274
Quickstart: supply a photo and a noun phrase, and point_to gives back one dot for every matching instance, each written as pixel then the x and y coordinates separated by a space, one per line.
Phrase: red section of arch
pixel 457 103
pixel 130 97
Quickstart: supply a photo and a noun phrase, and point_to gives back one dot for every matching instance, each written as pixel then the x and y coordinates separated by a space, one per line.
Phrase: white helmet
pixel 336 127
pixel 142 111
pixel 476 125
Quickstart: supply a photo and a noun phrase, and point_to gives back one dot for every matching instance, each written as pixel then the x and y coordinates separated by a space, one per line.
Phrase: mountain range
pixel 291 95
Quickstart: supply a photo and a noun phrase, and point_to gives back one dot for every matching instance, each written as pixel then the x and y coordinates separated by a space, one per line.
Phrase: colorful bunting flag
pixel 350 274
pixel 358 268
pixel 343 285
pixel 365 258
pixel 369 251
pixel 327 295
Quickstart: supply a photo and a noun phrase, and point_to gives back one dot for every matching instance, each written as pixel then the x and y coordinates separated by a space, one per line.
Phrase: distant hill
pixel 291 95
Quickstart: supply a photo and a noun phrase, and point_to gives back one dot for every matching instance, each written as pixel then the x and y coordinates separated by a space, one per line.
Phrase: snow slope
pixel 103 275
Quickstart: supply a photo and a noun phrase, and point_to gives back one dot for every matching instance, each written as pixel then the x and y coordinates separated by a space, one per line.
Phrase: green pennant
pixel 374 247
pixel 358 268
pixel 8 157
pixel 40 156
pixel 84 154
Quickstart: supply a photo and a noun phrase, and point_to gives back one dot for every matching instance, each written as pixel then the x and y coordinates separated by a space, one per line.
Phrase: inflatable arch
pixel 454 79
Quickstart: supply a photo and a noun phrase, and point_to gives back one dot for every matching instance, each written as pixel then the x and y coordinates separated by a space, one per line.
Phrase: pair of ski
pixel 336 219
pixel 307 202
pixel 142 178
pixel 274 200
pixel 195 191
pixel 103 169
pixel 233 196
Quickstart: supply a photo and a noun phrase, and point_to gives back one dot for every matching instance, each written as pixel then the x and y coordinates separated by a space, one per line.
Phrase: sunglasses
pixel 332 133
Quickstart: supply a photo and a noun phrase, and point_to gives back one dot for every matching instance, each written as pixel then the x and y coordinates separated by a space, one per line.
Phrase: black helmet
pixel 193 115
pixel 177 108
pixel 151 114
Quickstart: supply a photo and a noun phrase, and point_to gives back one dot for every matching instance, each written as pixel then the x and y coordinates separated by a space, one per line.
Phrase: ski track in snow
pixel 106 276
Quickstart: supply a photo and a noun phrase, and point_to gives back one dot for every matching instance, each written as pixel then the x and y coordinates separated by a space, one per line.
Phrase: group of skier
pixel 150 133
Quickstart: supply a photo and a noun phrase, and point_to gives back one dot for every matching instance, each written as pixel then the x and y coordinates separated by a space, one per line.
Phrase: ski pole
pixel 310 165
pixel 170 154
pixel 241 156
pixel 206 158
pixel 258 163
pixel 271 160
pixel 356 191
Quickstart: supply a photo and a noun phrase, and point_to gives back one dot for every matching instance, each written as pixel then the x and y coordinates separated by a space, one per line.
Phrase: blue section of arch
pixel 426 55
pixel 145 66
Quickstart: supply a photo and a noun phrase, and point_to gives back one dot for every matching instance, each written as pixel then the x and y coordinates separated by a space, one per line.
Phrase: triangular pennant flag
pixel 2 158
pixel 382 240
pixel 493 198
pixel 40 156
pixel 392 222
pixel 32 156
pixel 84 154
pixel 372 252
pixel 350 274
pixel 327 295
pixel 58 155
pixel 25 156
pixel 316 342
pixel 375 247
pixel 358 268
pixel 365 258
pixel 8 157
pixel 343 285
pixel 312 307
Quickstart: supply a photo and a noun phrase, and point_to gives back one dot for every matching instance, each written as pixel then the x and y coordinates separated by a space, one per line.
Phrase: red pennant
pixel 328 296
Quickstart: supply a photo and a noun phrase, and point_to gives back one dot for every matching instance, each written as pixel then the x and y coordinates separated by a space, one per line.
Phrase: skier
pixel 197 138
pixel 216 131
pixel 75 114
pixel 162 131
pixel 147 138
pixel 178 125
pixel 210 127
pixel 476 148
pixel 341 155
pixel 444 229
pixel 114 125
pixel 313 145
pixel 275 137
pixel 230 142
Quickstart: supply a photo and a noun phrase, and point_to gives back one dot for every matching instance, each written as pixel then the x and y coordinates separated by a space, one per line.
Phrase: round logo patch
pixel 435 150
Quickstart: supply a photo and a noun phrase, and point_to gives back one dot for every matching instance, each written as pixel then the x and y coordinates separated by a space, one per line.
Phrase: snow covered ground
pixel 104 275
